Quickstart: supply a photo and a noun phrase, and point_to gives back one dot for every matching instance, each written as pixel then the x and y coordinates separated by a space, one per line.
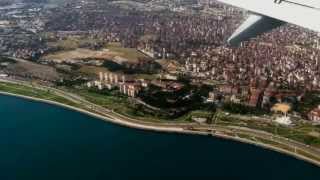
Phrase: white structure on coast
pixel 126 85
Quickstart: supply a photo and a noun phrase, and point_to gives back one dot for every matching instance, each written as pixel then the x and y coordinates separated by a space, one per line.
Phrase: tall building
pixel 255 98
pixel 101 77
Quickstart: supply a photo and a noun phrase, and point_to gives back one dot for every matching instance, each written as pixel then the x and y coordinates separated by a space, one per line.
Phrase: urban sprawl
pixel 167 57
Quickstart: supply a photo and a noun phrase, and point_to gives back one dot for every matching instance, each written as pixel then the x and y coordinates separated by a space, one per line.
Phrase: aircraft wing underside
pixel 269 14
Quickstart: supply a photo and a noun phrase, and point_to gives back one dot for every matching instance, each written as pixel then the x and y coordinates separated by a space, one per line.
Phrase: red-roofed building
pixel 314 115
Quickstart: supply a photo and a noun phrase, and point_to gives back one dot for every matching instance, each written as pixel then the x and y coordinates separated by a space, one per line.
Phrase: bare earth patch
pixel 112 52
pixel 27 68
pixel 80 54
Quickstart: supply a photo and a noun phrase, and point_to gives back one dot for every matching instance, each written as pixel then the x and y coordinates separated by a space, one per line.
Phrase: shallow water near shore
pixel 41 141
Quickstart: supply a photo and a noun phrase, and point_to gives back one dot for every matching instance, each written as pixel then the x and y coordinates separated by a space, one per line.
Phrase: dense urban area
pixel 166 60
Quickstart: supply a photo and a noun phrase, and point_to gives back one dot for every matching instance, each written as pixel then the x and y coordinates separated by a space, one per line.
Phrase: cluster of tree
pixel 242 109
pixel 177 103
pixel 70 83
pixel 144 66
pixel 310 101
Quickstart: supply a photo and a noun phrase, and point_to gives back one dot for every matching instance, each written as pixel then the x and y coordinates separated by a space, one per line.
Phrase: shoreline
pixel 166 129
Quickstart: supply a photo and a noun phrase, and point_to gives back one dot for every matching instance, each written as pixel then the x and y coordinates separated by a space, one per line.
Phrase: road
pixel 231 132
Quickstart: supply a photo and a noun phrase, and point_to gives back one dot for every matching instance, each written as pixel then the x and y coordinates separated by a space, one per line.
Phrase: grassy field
pixel 301 132
pixel 119 104
pixel 198 114
pixel 107 101
pixel 33 92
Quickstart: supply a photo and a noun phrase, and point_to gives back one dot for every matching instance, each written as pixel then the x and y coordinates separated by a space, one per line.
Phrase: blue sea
pixel 43 142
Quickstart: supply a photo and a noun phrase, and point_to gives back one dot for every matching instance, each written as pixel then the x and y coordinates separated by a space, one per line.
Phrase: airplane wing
pixel 269 14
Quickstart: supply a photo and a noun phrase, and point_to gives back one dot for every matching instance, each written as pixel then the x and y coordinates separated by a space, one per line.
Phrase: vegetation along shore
pixel 78 103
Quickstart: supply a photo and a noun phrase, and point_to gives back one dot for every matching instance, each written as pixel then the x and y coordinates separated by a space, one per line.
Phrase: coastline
pixel 166 128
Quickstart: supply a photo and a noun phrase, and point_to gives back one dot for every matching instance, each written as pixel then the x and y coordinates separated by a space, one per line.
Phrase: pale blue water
pixel 41 141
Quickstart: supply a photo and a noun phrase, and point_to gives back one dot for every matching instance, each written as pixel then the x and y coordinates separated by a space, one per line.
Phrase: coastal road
pixel 231 132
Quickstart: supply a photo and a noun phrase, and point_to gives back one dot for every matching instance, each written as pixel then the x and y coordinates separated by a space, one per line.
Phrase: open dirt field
pixel 112 52
pixel 27 68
